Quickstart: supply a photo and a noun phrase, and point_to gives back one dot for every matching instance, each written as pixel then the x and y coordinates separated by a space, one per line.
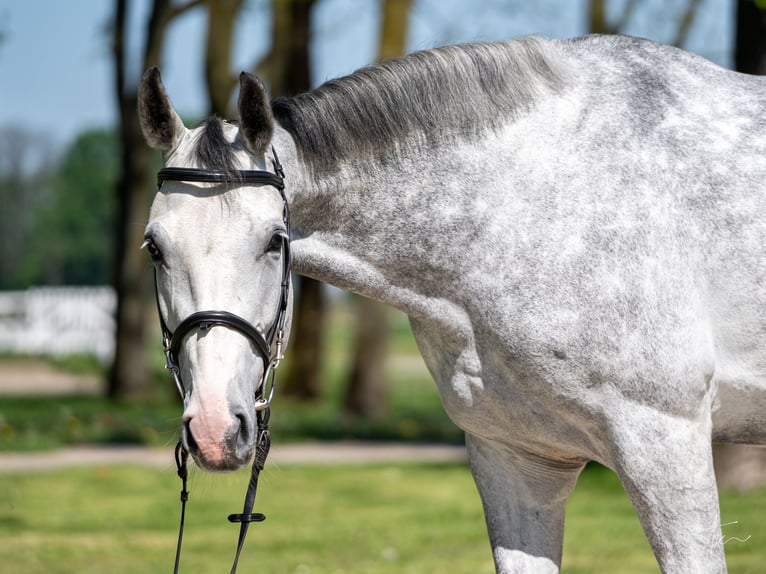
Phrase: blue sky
pixel 55 66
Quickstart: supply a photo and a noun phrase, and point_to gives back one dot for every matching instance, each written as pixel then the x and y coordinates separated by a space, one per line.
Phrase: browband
pixel 209 176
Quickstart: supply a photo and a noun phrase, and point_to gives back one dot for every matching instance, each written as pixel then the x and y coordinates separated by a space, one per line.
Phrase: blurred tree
pixel 219 79
pixel 599 23
pixel 129 376
pixel 686 22
pixel 26 169
pixel 287 70
pixel 273 67
pixel 750 43
pixel 72 239
pixel 366 390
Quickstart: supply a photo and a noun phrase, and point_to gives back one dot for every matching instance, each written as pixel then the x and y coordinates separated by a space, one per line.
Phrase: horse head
pixel 218 238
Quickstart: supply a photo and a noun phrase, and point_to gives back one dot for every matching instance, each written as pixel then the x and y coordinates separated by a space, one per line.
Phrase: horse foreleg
pixel 524 498
pixel 666 467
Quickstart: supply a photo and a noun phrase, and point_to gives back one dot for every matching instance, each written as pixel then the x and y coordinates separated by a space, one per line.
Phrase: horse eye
pixel 152 249
pixel 275 244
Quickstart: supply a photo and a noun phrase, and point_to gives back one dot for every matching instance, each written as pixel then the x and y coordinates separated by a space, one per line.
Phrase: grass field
pixel 369 520
pixel 321 520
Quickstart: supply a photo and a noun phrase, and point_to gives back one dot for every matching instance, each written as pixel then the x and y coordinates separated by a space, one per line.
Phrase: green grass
pixel 342 519
pixel 39 423
pixel 378 519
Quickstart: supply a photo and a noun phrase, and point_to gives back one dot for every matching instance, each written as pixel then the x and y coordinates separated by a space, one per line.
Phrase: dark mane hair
pixel 212 150
pixel 447 92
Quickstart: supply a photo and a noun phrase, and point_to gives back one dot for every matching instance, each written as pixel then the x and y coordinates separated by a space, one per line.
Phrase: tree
pixel 366 390
pixel 750 42
pixel 599 23
pixel 219 78
pixel 287 70
pixel 72 239
pixel 129 376
pixel 25 186
pixel 57 220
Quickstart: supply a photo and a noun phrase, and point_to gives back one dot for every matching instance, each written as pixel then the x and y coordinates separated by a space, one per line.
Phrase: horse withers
pixel 574 227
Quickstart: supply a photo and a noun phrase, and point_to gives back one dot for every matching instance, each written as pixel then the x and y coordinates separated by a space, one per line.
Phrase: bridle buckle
pixel 268 387
pixel 174 371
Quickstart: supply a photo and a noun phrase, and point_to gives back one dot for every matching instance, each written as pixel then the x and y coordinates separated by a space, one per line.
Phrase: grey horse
pixel 575 229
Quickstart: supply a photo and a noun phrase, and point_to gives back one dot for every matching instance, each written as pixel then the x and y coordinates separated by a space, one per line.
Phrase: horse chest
pixel 497 400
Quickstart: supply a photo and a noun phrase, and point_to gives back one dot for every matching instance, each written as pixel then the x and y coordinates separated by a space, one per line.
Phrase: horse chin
pixel 229 462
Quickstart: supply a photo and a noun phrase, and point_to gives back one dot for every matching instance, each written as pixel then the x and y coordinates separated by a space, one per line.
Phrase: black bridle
pixel 269 346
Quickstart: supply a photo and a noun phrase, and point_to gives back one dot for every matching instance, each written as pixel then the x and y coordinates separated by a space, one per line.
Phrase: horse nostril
pixel 186 434
pixel 241 429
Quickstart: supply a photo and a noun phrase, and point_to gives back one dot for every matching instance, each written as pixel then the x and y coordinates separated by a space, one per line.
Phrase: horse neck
pixel 380 223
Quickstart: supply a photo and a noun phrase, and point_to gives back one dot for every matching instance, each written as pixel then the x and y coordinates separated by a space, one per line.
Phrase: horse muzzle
pixel 219 439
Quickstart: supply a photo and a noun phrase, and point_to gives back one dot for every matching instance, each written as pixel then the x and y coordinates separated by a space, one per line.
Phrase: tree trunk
pixel 743 467
pixel 272 68
pixel 750 43
pixel 129 376
pixel 304 374
pixel 366 390
pixel 287 69
pixel 393 34
pixel 219 79
pixel 598 22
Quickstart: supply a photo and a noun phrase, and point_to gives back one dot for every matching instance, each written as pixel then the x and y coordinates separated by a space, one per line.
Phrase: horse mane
pixel 212 150
pixel 444 93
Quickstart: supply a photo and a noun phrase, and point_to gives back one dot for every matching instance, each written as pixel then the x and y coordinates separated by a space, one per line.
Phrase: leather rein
pixel 269 346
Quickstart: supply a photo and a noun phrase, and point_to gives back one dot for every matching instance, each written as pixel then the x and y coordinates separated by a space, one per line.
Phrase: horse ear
pixel 256 122
pixel 160 123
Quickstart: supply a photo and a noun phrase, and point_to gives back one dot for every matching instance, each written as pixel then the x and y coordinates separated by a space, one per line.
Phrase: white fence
pixel 59 321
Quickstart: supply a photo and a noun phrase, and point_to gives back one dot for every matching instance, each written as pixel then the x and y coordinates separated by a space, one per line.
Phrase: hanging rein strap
pixel 183 472
pixel 247 515
pixel 269 346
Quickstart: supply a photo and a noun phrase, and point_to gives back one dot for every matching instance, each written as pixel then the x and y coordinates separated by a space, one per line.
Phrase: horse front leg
pixel 666 467
pixel 524 498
